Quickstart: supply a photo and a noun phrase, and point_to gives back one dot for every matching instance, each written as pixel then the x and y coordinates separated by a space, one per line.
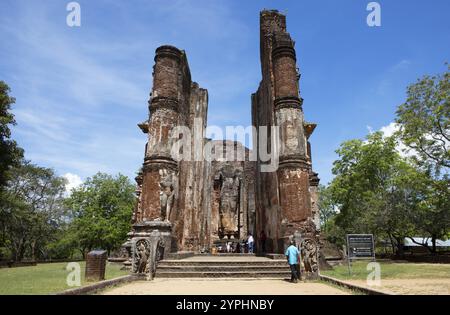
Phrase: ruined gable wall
pixel 159 167
pixel 195 174
pixel 283 202
pixel 279 202
pixel 175 101
pixel 266 191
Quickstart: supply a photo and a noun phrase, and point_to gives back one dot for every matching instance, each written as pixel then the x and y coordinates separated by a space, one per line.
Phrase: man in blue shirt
pixel 293 258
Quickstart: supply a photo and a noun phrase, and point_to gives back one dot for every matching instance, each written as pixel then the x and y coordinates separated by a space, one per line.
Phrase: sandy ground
pixel 411 286
pixel 223 287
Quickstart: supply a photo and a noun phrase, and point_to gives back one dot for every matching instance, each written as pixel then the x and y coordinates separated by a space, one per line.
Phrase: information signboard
pixel 360 246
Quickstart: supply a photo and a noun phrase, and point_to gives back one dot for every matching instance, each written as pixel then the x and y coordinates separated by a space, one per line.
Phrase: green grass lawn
pixel 392 270
pixel 45 278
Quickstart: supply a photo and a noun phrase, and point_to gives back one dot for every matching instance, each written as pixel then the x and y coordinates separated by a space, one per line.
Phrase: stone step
pixel 254 268
pixel 223 267
pixel 228 255
pixel 223 274
pixel 268 262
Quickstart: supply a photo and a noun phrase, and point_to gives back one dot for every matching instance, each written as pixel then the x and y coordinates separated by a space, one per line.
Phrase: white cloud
pixel 78 71
pixel 388 131
pixel 73 181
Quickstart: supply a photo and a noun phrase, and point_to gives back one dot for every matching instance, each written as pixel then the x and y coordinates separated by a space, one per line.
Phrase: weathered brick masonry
pixel 208 201
pixel 286 199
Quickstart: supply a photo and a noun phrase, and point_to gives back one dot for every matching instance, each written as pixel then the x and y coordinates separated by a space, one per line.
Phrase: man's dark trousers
pixel 294 272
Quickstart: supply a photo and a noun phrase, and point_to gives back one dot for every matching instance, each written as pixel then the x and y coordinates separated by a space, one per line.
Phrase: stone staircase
pixel 244 266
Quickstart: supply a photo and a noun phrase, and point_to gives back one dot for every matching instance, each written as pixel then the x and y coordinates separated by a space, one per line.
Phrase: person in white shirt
pixel 250 242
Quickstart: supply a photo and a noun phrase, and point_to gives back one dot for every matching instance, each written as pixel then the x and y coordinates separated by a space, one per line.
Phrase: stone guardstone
pixel 306 237
pixel 150 242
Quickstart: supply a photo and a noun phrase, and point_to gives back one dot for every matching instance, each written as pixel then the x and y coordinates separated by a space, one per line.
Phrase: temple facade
pixel 220 191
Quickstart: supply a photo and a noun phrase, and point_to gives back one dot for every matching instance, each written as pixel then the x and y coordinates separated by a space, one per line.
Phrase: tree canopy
pixel 379 190
pixel 425 121
pixel 10 153
pixel 32 210
pixel 101 209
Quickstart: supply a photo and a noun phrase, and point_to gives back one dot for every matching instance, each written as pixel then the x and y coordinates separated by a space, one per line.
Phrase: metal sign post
pixel 349 261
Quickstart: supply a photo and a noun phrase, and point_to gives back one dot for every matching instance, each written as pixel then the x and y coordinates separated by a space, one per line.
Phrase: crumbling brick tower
pixel 168 189
pixel 160 169
pixel 158 221
pixel 284 200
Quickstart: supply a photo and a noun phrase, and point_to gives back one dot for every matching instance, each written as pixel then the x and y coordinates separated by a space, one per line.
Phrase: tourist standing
pixel 293 258
pixel 250 242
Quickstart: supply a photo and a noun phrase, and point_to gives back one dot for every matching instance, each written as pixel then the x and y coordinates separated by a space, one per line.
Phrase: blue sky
pixel 81 91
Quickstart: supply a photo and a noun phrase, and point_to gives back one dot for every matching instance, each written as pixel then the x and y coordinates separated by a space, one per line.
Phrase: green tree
pixel 398 202
pixel 362 170
pixel 425 121
pixel 101 209
pixel 380 192
pixel 334 233
pixel 10 153
pixel 431 216
pixel 32 210
pixel 326 205
pixel 372 189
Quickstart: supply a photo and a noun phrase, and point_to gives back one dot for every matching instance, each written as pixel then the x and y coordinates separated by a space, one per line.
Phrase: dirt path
pixel 223 287
pixel 411 286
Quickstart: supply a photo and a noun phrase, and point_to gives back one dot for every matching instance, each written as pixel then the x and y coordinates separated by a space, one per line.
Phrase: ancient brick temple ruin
pixel 197 204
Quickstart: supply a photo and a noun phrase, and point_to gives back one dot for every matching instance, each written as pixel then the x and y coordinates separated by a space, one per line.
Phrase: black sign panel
pixel 360 246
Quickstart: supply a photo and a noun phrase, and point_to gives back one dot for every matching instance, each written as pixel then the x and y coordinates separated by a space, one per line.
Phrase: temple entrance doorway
pixel 232 211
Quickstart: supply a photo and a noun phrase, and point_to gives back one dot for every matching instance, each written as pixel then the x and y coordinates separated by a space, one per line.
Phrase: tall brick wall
pixel 283 197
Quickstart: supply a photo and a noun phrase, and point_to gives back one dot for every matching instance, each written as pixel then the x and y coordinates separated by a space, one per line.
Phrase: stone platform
pixel 223 266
